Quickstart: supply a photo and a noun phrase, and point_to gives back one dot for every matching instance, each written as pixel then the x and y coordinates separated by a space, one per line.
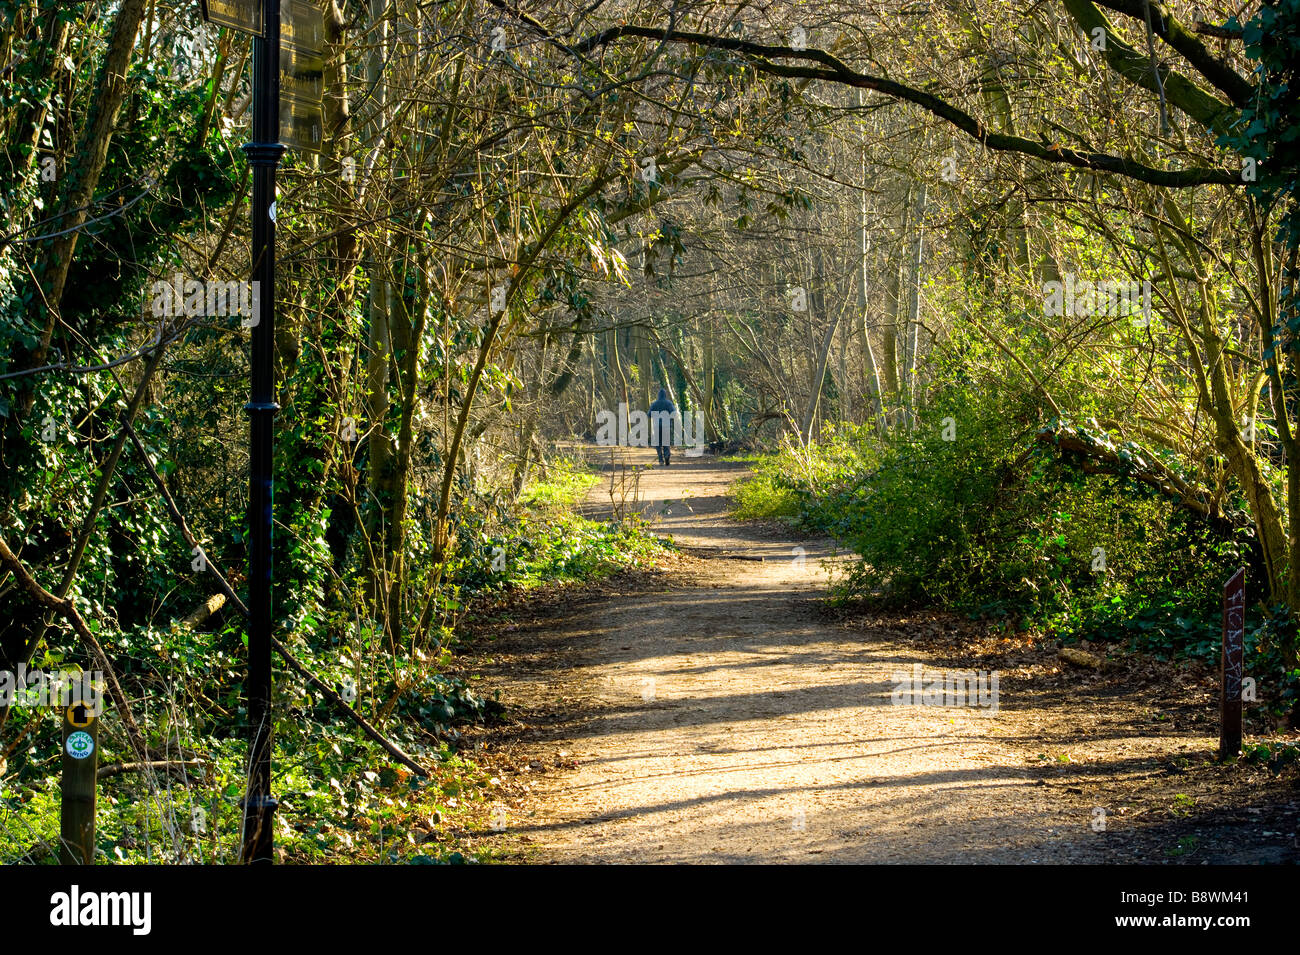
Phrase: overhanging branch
pixel 831 69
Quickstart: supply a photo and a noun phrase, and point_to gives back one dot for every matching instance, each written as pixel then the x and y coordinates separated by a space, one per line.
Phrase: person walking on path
pixel 662 412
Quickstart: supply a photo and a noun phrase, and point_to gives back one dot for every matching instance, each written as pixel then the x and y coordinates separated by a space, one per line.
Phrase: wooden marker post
pixel 80 764
pixel 1234 631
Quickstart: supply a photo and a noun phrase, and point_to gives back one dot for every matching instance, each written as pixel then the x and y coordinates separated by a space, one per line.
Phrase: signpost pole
pixel 299 26
pixel 77 799
pixel 1234 627
pixel 263 156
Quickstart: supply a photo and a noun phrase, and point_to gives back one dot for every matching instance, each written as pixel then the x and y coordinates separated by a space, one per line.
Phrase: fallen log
pixel 1101 457
pixel 204 612
pixel 1095 456
pixel 1081 658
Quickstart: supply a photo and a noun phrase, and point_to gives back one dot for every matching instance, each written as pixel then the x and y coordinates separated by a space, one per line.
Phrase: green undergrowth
pixel 969 511
pixel 566 483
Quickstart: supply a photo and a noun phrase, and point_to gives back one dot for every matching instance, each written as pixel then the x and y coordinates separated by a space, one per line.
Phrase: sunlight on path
pixel 737 725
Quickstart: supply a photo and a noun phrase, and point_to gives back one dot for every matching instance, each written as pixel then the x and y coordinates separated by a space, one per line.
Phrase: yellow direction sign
pixel 302 125
pixel 302 26
pixel 242 15
pixel 302 75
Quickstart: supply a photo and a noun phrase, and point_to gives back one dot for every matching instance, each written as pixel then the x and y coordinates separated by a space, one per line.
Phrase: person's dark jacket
pixel 663 424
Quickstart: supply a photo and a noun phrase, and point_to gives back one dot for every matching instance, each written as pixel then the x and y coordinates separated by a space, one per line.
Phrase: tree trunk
pixel 868 353
pixel 914 302
pixel 818 377
pixel 81 177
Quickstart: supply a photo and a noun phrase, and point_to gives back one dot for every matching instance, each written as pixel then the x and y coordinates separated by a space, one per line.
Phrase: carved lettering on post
pixel 1234 631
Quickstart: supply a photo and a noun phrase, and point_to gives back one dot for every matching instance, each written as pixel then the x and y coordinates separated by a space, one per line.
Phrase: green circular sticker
pixel 80 745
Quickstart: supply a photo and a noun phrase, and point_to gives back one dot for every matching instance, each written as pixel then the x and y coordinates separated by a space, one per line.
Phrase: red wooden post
pixel 1234 628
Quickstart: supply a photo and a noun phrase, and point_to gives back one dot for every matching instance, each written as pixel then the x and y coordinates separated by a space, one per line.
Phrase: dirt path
pixel 714 712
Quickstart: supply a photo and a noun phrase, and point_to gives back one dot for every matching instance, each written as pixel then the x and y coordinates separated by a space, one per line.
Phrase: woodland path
pixel 718 714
